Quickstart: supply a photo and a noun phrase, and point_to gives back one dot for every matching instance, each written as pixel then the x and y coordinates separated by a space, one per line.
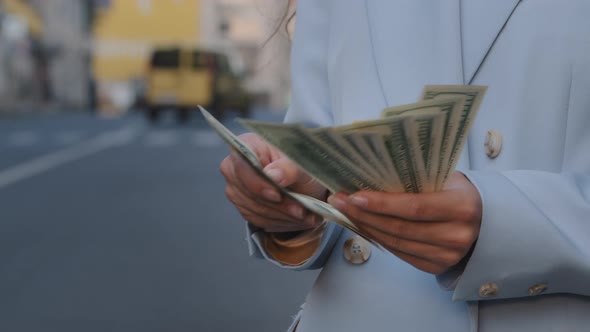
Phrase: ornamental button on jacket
pixel 528 154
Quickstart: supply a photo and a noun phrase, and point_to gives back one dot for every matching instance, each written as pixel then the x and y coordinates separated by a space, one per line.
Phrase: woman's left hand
pixel 431 231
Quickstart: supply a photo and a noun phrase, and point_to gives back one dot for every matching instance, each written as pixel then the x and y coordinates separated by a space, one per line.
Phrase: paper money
pixel 321 163
pixel 426 133
pixel 473 95
pixel 404 151
pixel 344 150
pixel 411 148
pixel 319 207
pixel 371 148
pixel 451 107
pixel 436 151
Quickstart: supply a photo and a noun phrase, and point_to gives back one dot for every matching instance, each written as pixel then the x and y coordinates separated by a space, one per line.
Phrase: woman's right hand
pixel 259 202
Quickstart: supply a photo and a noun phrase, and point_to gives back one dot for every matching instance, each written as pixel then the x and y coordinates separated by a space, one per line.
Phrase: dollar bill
pixel 411 148
pixel 321 163
pixel 401 151
pixel 473 95
pixel 319 207
pixel 423 132
pixel 365 146
pixel 451 107
pixel 344 150
pixel 426 132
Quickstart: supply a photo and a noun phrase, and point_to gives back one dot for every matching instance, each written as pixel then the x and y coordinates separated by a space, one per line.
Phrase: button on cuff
pixel 538 289
pixel 488 290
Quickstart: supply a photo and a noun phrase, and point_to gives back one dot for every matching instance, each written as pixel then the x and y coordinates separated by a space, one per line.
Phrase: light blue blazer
pixel 352 58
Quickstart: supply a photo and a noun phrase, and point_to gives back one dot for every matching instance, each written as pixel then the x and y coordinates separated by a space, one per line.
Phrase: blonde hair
pixel 283 22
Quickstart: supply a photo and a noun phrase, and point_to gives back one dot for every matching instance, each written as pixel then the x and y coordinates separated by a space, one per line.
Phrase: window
pixel 166 58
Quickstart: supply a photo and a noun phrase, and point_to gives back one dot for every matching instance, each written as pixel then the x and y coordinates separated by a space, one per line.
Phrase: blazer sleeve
pixel 535 230
pixel 535 227
pixel 310 105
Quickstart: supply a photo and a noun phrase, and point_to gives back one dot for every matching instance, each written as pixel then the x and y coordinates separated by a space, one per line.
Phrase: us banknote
pixel 411 148
pixel 451 108
pixel 473 95
pixel 317 206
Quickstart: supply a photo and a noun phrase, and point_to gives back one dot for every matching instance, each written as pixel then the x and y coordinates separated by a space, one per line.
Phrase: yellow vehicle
pixel 181 79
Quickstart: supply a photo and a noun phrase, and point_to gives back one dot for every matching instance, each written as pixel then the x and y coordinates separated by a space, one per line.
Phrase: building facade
pixel 70 53
pixel 125 31
pixel 66 51
pixel 44 54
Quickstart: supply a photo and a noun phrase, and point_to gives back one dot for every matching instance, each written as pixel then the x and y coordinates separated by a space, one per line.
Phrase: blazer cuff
pixel 257 244
pixel 517 249
pixel 296 250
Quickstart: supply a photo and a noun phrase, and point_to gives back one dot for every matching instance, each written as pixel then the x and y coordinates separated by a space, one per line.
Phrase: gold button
pixel 493 143
pixel 537 289
pixel 489 289
pixel 357 250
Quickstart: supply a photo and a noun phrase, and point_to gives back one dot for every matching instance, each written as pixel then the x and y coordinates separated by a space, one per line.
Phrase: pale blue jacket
pixel 352 58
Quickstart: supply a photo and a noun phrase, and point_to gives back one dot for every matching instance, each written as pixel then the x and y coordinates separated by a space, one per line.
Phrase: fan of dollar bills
pixel 411 148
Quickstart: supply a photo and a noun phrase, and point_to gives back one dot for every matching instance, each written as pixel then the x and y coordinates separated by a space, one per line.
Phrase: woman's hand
pixel 431 231
pixel 259 202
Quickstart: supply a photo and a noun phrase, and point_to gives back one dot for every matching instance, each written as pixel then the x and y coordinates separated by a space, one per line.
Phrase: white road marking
pixel 55 159
pixel 23 138
pixel 161 139
pixel 207 139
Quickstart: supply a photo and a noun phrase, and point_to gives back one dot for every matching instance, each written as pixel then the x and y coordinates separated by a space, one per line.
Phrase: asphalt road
pixel 116 225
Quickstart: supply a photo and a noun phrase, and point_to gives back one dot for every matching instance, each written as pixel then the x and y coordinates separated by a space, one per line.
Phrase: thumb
pixel 284 172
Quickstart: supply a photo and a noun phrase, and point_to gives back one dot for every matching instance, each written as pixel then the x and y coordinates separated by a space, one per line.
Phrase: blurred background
pixel 112 209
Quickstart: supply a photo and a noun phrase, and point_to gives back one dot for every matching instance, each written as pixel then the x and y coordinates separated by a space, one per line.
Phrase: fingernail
pixel 271 195
pixel 296 211
pixel 336 202
pixel 276 175
pixel 359 201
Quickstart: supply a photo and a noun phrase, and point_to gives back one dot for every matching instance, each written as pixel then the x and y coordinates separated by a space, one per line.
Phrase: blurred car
pixel 180 79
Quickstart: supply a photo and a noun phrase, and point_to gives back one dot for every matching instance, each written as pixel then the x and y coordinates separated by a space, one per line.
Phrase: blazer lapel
pixel 482 22
pixel 415 42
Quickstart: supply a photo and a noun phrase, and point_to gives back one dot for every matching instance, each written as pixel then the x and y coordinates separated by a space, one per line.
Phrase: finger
pixel 245 177
pixel 405 229
pixel 420 251
pixel 285 172
pixel 279 224
pixel 227 168
pixel 287 211
pixel 387 224
pixel 273 225
pixel 259 146
pixel 448 234
pixel 439 206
